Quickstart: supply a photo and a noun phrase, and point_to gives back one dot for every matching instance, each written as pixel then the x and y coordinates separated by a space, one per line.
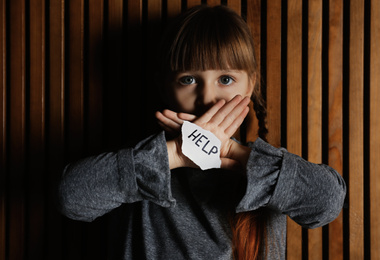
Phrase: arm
pixel 310 194
pixel 96 185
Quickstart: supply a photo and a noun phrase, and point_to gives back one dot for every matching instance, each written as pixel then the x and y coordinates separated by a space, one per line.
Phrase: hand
pixel 223 119
pixel 171 121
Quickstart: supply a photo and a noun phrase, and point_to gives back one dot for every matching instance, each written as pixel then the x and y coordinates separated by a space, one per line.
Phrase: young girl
pixel 163 205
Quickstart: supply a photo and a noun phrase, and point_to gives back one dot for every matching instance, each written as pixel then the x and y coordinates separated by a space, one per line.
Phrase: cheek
pixel 245 89
pixel 230 93
pixel 185 99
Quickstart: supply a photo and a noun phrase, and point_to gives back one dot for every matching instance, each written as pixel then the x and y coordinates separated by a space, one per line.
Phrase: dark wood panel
pixel 355 131
pixel 253 19
pixel 294 107
pixel 234 5
pixel 114 74
pixel 314 106
pixel 36 130
pixel 273 71
pixel 55 104
pixel 335 114
pixel 73 76
pixel 75 108
pixel 16 181
pixel 3 132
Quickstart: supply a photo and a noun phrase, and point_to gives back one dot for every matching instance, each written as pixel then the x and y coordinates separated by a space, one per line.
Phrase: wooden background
pixel 75 80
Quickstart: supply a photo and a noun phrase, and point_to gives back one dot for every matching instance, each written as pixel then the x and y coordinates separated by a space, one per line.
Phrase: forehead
pixel 208 40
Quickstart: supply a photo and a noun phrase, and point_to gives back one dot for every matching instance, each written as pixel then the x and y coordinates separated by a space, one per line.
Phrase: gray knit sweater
pixel 183 213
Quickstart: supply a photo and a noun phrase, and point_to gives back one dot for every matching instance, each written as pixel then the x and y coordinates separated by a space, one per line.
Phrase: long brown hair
pixel 216 38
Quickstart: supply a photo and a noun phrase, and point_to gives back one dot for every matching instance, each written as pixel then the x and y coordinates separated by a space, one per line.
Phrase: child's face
pixel 196 91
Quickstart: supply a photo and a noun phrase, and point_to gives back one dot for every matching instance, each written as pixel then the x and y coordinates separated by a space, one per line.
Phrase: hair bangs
pixel 212 44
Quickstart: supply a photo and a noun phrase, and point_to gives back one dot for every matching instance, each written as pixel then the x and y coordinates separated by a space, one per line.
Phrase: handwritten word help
pixel 200 146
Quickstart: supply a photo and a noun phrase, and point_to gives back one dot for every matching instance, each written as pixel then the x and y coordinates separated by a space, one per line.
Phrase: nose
pixel 207 96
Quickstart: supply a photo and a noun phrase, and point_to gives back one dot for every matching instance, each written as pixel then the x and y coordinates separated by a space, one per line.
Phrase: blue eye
pixel 226 80
pixel 187 80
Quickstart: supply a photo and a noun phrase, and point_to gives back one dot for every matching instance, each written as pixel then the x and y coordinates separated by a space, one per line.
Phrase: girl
pixel 163 205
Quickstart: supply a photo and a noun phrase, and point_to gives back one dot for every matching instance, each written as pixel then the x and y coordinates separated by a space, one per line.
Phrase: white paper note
pixel 200 146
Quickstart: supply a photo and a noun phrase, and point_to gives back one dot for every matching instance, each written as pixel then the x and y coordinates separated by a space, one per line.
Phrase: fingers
pixel 227 112
pixel 236 115
pixel 171 121
pixel 168 123
pixel 226 116
pixel 210 113
pixel 186 117
pixel 231 129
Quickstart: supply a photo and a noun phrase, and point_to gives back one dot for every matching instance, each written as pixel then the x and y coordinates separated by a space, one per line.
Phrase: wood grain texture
pixel 253 20
pixel 37 134
pixel 75 111
pixel 56 127
pixel 355 131
pixel 94 111
pixel 17 57
pixel 234 5
pixel 174 8
pixel 213 2
pixel 114 74
pixel 294 108
pixel 314 106
pixel 335 114
pixel 273 71
pixel 74 73
pixel 191 3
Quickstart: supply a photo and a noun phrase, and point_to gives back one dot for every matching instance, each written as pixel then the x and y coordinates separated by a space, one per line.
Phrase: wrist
pixel 176 158
pixel 174 161
pixel 240 153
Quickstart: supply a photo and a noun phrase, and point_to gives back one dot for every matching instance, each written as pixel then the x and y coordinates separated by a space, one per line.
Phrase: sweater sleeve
pixel 311 194
pixel 96 185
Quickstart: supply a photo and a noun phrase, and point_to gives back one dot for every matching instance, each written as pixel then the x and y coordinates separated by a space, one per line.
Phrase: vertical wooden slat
pixel 213 2
pixel 76 79
pixel 36 207
pixel 75 109
pixel 95 74
pixel 253 19
pixel 17 131
pixel 3 133
pixel 355 130
pixel 154 16
pixel 56 124
pixel 191 3
pixel 114 72
pixel 294 108
pixel 254 23
pixel 95 242
pixel 174 8
pixel 234 5
pixel 335 114
pixel 27 241
pixel 134 62
pixel 374 124
pixel 273 78
pixel 315 106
